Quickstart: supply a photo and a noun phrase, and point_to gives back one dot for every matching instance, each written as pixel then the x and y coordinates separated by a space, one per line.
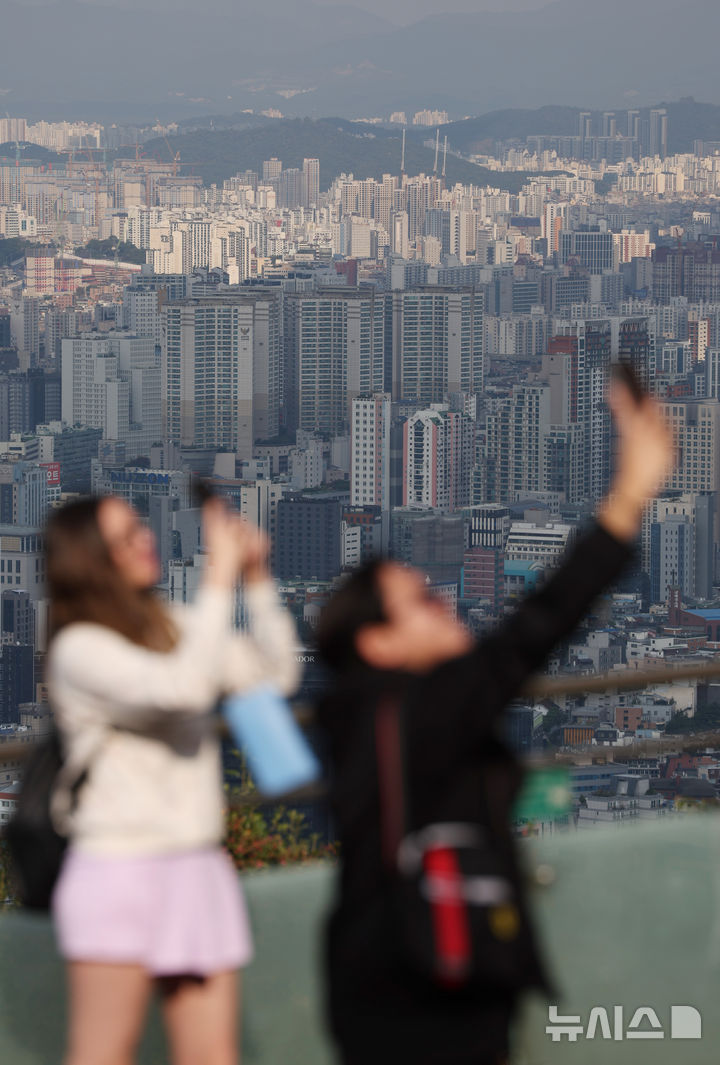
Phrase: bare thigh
pixel 201 1019
pixel 108 1004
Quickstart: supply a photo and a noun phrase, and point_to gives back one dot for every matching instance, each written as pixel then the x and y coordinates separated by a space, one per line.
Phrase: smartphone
pixel 624 373
pixel 201 490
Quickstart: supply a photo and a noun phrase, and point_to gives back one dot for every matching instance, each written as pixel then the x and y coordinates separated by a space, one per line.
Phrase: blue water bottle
pixel 262 725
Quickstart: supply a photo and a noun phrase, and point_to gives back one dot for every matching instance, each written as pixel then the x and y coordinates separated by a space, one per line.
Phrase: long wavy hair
pixel 85 585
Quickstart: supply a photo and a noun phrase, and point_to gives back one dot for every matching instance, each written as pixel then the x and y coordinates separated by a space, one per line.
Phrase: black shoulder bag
pixel 455 893
pixel 36 847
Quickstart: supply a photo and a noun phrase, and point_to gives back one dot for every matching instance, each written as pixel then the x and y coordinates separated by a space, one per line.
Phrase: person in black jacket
pixel 386 638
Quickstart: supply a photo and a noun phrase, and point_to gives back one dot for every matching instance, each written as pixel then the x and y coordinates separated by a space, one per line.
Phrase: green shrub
pixel 255 840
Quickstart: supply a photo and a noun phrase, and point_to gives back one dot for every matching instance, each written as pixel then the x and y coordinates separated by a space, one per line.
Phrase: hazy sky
pixel 303 58
pixel 410 10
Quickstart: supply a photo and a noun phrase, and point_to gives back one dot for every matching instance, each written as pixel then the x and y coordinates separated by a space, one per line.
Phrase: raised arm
pixel 644 458
pixel 267 652
pixel 131 683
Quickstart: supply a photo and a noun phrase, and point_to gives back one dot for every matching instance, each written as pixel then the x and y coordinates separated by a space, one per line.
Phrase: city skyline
pixel 370 339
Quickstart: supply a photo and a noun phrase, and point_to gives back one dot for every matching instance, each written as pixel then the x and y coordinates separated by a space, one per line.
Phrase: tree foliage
pixel 12 248
pixel 705 719
pixel 554 719
pixel 7 889
pixel 109 248
pixel 256 840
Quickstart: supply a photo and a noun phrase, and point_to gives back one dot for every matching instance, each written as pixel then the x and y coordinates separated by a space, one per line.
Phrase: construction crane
pixel 444 161
pixel 437 150
pixel 175 156
pixel 402 158
pixel 96 177
pixel 60 215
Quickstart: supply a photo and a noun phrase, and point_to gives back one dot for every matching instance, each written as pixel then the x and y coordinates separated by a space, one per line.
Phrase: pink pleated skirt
pixel 176 914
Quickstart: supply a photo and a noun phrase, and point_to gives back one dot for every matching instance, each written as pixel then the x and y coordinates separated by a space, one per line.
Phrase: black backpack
pixel 36 847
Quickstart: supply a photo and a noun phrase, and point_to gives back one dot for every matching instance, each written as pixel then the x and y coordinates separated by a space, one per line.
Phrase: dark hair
pixel 355 604
pixel 85 585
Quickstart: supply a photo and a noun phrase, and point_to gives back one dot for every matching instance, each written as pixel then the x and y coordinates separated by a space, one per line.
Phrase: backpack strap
pixel 392 785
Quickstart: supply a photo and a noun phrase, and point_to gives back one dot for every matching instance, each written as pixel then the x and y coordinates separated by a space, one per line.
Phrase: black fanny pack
pixel 455 892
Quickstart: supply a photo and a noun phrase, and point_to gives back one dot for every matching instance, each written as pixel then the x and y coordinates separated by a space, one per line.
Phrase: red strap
pixel 449 913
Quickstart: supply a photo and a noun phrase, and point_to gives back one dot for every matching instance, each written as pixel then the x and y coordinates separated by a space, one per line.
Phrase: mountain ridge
pixel 341 147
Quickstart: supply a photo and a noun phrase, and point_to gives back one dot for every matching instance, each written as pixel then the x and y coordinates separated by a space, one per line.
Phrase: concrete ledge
pixel 630 919
pixel 281 1021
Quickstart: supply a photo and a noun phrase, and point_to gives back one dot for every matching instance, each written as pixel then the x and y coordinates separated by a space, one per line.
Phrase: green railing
pixel 630 918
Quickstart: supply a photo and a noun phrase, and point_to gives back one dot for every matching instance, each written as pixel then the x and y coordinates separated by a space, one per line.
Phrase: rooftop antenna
pixel 402 157
pixel 437 149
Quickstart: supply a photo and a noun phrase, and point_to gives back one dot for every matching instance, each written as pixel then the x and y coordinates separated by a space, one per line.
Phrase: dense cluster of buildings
pixel 369 366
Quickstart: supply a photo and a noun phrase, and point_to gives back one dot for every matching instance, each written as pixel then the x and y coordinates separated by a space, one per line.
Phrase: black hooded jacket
pixel 458 769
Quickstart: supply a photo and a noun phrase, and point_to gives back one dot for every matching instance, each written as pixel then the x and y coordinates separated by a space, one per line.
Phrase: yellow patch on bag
pixel 504 921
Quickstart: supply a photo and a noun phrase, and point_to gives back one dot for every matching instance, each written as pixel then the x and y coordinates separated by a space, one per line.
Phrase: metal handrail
pixel 626 680
pixel 538 688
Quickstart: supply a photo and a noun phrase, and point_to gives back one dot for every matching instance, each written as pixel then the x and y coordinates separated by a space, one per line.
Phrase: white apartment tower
pixel 111 381
pixel 221 370
pixel 370 451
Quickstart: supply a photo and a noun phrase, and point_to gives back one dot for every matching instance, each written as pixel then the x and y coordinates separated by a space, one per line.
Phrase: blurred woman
pixel 146 896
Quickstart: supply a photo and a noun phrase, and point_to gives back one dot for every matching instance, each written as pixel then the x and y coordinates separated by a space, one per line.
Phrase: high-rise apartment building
pixel 61 323
pixel 430 540
pixel 658 132
pixel 554 219
pixel 691 270
pixel 22 560
pixel 17 680
pixel 700 336
pixel 142 312
pixel 637 348
pixel 696 427
pixel 112 381
pixel 17 615
pixel 677 544
pixel 28 399
pixel 712 373
pixel 221 370
pixel 514 444
pixel 93 390
pixel 483 561
pixel 436 343
pixel 577 367
pixel 438 446
pixel 672 558
pixel 291 188
pixel 370 451
pixel 311 174
pixel 308 538
pixel 271 170
pixel 334 352
pixel 25 327
pixel 592 248
pixel 23 493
